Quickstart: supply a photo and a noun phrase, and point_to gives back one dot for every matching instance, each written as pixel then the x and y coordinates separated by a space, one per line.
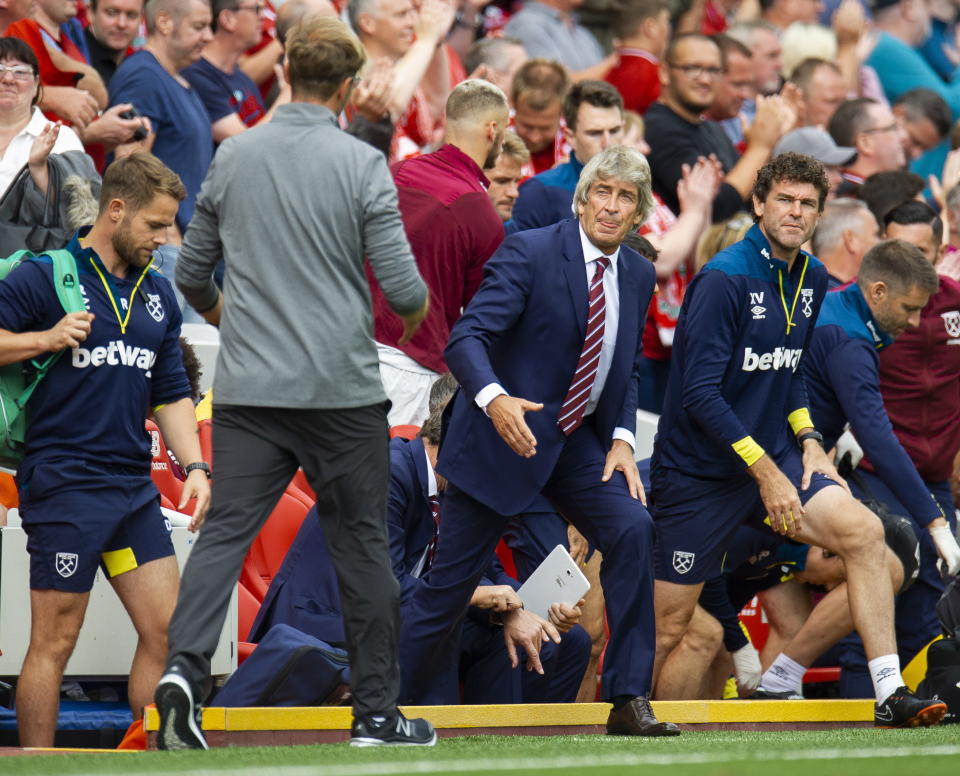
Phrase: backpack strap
pixel 66 280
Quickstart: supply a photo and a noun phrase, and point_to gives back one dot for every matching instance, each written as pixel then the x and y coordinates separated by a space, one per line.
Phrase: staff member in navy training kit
pixel 842 376
pixel 725 453
pixel 86 497
pixel 546 354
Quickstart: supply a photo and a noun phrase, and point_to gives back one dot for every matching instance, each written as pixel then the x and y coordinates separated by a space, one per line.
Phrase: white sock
pixel 885 673
pixel 784 675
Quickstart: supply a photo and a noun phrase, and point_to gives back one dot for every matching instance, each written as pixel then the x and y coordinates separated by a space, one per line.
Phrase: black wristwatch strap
pixel 810 435
pixel 201 465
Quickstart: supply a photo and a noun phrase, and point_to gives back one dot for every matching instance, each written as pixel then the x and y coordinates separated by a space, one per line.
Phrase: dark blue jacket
pixel 524 329
pixel 843 381
pixel 546 198
pixel 733 375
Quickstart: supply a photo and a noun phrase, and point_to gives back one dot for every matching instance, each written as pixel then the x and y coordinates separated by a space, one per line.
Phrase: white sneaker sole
pixel 370 741
pixel 178 728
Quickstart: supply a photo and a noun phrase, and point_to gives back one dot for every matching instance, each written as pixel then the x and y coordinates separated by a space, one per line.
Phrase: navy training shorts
pixel 79 516
pixel 696 519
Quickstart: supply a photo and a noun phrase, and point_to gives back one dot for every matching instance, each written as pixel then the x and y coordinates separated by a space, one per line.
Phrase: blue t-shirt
pixel 184 141
pixel 93 402
pixel 225 93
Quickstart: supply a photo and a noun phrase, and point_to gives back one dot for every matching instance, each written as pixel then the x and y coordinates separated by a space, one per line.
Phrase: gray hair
pixel 839 214
pixel 743 31
pixel 354 8
pixel 492 52
pixel 620 163
pixel 953 204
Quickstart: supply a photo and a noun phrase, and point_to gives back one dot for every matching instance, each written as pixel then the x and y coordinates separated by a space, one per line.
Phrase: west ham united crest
pixel 682 561
pixel 806 300
pixel 154 307
pixel 66 563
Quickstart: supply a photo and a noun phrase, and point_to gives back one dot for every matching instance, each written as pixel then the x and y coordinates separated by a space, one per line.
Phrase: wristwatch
pixel 810 435
pixel 201 465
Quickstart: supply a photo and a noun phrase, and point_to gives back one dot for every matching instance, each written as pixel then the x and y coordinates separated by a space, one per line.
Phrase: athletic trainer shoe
pixel 769 695
pixel 904 709
pixel 392 731
pixel 179 714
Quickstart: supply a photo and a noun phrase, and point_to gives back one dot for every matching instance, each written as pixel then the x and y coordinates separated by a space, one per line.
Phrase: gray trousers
pixel 345 457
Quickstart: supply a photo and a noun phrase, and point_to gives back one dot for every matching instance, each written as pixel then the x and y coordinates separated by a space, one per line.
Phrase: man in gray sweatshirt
pixel 294 207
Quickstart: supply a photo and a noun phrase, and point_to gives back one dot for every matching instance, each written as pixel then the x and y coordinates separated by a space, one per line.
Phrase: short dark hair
pixel 849 120
pixel 542 82
pixel 192 366
pixel 599 94
pixel 321 53
pixel 218 6
pixel 804 72
pixel 793 167
pixel 900 265
pixel 641 245
pixel 676 40
pixel 441 392
pixel 883 191
pixel 913 212
pixel 628 15
pixel 729 46
pixel 14 48
pixel 923 103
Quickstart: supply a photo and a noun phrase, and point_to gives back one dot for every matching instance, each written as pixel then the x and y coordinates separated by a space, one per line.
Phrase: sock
pixel 784 675
pixel 619 701
pixel 885 674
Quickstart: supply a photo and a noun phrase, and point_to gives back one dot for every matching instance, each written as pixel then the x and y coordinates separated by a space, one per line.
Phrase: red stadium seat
pixel 268 550
pixel 161 466
pixel 248 606
pixel 407 432
pixel 205 430
pixel 301 483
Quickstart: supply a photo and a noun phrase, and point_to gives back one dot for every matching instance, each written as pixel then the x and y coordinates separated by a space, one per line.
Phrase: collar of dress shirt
pixel 591 252
pixel 432 489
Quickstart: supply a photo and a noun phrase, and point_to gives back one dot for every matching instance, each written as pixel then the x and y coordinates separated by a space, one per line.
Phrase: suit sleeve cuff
pixel 799 420
pixel 487 394
pixel 626 436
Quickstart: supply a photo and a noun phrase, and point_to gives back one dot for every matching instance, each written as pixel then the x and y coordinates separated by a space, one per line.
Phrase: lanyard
pixel 793 308
pixel 126 319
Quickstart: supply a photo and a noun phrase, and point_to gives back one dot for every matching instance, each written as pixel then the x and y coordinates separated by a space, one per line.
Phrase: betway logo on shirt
pixel 780 358
pixel 115 353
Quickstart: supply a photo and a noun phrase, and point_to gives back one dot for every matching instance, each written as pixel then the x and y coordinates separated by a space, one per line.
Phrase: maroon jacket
pixel 920 382
pixel 453 229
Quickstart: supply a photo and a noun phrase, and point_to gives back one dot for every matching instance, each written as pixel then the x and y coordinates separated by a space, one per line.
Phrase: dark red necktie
pixel 432 547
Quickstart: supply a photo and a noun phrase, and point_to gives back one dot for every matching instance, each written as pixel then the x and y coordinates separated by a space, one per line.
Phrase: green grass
pixel 864 752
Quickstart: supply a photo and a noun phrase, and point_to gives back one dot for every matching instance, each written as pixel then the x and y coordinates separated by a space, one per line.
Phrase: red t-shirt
pixel 29 31
pixel 637 79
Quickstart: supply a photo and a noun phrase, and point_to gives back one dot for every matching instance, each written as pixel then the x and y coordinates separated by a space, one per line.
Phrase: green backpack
pixel 14 389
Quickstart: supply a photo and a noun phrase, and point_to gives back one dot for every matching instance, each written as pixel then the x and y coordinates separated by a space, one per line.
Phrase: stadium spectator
pixel 847 230
pixel 285 399
pixel 916 223
pixel 593 115
pixel 750 467
pixel 734 87
pixel 505 175
pixel 678 135
pixel 114 25
pixel 587 469
pixel 537 94
pixel 924 118
pixel 177 31
pixel 815 89
pixel 86 497
pixel 500 59
pixel 22 124
pixel 549 29
pixel 292 12
pixel 763 40
pixel 873 130
pixel 232 100
pixel 901 27
pixel 642 30
pixel 813 141
pixel 13 11
pixel 453 229
pixel 883 191
pixel 306 586
pixel 782 13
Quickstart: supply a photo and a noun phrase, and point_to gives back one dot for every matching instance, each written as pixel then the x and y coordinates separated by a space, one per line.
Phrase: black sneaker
pixel 904 709
pixel 179 714
pixel 392 731
pixel 769 695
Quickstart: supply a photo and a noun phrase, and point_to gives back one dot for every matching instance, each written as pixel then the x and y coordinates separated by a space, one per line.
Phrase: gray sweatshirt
pixel 293 207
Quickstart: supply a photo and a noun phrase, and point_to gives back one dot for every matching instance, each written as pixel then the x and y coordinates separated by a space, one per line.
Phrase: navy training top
pixel 734 391
pixel 546 198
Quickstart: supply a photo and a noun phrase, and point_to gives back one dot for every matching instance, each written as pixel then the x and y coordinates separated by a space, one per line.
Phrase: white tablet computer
pixel 557 579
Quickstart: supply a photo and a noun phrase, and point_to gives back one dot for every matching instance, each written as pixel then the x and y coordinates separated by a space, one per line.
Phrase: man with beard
pixel 678 135
pixel 86 497
pixel 453 229
pixel 736 443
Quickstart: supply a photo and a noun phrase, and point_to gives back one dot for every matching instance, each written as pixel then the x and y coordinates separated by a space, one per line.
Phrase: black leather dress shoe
pixel 637 719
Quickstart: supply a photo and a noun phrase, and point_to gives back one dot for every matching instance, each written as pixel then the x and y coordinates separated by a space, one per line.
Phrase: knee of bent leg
pixel 860 532
pixel 704 634
pixel 673 615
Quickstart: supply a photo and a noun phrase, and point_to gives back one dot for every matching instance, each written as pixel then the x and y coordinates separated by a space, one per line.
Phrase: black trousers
pixel 256 451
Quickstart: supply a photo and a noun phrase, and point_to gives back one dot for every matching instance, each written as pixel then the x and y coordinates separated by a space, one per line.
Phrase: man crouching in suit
pixel 546 354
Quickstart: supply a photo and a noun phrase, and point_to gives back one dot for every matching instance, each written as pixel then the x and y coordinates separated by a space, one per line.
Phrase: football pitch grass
pixel 847 752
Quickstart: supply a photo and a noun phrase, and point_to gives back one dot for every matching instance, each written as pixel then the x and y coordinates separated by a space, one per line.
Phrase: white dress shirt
pixel 611 292
pixel 18 150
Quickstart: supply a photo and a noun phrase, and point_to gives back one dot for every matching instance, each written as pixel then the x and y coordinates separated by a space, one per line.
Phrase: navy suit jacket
pixel 524 329
pixel 304 593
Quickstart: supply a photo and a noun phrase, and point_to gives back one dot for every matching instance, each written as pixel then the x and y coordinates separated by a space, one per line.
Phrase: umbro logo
pixel 758 312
